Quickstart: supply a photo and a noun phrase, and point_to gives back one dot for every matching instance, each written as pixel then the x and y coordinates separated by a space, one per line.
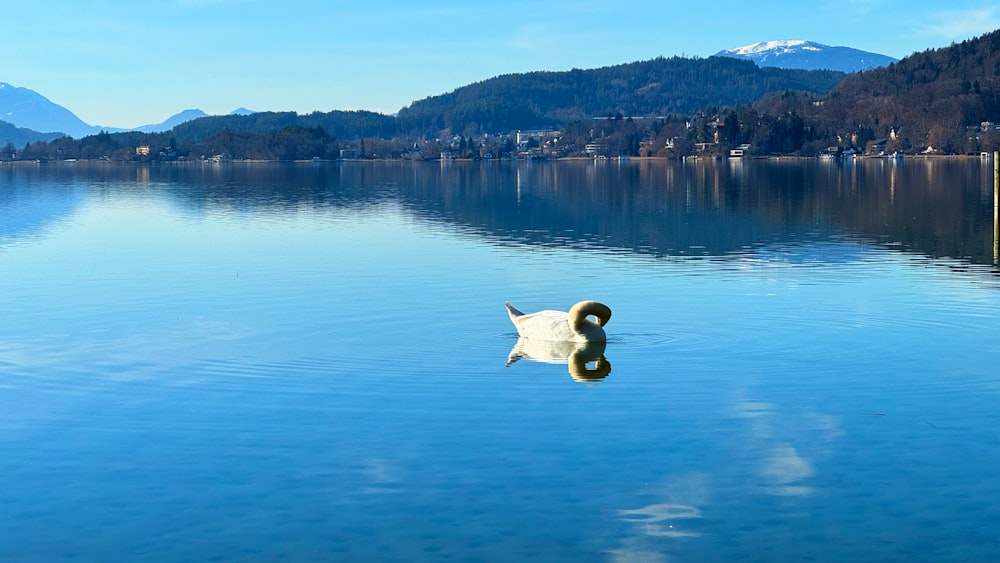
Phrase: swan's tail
pixel 512 311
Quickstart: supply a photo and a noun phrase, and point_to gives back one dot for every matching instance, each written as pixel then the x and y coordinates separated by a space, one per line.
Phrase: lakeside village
pixel 543 144
pixel 613 137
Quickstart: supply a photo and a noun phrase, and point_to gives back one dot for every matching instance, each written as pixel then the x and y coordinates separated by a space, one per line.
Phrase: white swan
pixel 573 326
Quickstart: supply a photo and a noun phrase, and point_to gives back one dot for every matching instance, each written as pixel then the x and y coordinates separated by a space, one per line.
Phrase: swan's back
pixel 553 325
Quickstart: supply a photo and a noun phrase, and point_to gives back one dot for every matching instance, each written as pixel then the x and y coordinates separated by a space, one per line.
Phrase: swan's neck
pixel 578 314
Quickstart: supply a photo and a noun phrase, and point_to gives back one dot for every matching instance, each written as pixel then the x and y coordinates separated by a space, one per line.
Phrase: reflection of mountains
pixel 935 207
pixel 27 208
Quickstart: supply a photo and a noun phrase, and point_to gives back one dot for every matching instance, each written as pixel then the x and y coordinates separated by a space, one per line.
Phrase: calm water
pixel 309 362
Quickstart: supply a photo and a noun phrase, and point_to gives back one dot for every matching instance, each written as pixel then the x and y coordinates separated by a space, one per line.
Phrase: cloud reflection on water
pixel 785 465
pixel 657 519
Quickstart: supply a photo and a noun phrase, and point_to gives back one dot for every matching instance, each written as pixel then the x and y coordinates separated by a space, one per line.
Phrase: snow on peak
pixel 779 46
pixel 808 55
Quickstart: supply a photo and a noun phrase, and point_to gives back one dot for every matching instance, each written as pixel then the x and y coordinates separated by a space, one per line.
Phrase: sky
pixel 125 63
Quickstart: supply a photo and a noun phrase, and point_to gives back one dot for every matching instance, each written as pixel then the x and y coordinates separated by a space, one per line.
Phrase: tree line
pixel 293 142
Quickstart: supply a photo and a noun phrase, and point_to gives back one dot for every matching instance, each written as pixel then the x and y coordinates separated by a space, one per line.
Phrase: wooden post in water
pixel 996 208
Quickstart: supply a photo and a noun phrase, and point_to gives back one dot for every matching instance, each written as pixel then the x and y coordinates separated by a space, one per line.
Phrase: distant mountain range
pixel 658 87
pixel 28 109
pixel 27 116
pixel 172 121
pixel 184 117
pixel 32 114
pixel 936 101
pixel 807 55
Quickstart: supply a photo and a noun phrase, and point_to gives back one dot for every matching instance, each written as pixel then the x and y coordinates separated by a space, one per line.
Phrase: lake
pixel 312 362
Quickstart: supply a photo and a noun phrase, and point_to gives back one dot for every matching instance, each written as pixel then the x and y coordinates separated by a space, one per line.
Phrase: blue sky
pixel 126 63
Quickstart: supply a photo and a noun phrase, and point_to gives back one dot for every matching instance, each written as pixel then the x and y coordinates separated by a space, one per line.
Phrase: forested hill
pixel 656 87
pixel 936 98
pixel 13 136
pixel 339 124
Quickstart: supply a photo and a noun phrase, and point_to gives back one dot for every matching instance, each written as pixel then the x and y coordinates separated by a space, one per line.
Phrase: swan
pixel 561 326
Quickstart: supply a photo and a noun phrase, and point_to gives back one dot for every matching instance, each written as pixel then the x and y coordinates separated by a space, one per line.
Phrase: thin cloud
pixel 532 37
pixel 956 25
pixel 861 7
pixel 203 3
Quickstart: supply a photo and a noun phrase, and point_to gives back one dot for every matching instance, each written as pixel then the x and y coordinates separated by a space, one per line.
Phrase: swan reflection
pixel 585 360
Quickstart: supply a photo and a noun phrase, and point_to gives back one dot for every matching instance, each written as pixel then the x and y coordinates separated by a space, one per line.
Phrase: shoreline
pixel 103 162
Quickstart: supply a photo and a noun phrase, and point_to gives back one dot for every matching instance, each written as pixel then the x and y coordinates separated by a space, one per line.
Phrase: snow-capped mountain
pixel 808 55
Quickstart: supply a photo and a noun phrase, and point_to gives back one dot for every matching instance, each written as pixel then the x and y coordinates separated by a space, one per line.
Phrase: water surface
pixel 310 362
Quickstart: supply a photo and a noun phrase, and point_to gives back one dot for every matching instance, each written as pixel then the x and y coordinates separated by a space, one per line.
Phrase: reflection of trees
pixel 664 209
pixel 935 207
pixel 941 208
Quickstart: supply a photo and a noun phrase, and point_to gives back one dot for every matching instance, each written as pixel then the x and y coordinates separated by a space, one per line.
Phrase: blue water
pixel 309 362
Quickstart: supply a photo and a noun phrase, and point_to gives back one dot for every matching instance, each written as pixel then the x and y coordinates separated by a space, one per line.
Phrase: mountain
pixel 19 136
pixel 655 87
pixel 807 55
pixel 943 100
pixel 173 121
pixel 36 114
pixel 946 98
pixel 29 109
